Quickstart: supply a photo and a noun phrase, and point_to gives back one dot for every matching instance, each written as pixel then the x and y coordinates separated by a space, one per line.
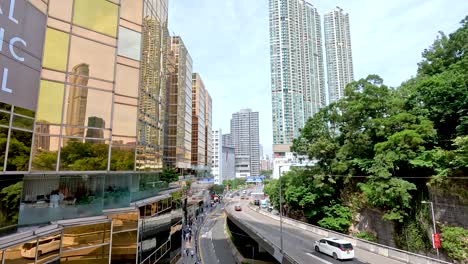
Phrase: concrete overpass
pixel 299 238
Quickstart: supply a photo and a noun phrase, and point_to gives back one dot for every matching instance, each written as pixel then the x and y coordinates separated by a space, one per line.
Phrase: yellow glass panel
pixel 55 50
pixel 49 109
pixel 97 15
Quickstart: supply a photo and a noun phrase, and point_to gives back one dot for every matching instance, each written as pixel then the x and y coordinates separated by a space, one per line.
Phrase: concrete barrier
pixel 393 253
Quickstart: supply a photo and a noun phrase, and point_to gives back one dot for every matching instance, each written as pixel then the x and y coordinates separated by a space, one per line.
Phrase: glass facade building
pixel 179 146
pixel 198 124
pixel 80 160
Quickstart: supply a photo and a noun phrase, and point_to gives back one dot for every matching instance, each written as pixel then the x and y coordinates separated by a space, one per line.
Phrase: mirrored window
pixel 132 10
pixel 83 154
pixel 127 81
pixel 61 9
pixel 19 150
pixel 129 43
pixel 21 254
pixel 117 192
pixel 97 15
pixel 10 196
pixel 55 50
pixel 86 107
pixel 50 102
pixel 95 255
pixel 125 120
pixel 48 248
pixel 76 237
pixel 90 59
pixel 124 247
pixel 45 150
pixel 4 118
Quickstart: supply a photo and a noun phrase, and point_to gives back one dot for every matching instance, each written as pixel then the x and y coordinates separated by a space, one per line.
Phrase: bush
pixel 455 242
pixel 338 218
pixel 366 236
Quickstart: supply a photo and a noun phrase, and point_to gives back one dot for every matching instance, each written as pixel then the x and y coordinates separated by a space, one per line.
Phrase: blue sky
pixel 229 43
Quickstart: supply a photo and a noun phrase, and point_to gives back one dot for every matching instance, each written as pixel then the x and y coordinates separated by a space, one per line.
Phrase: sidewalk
pixel 190 245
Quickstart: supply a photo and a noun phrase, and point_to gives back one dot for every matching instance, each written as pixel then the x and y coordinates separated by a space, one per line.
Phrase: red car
pixel 237 208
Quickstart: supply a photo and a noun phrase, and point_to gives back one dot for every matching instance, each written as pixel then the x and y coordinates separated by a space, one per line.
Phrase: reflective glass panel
pixel 129 43
pixel 55 50
pixel 22 111
pixel 10 190
pixel 94 255
pixel 23 122
pixel 19 150
pixel 50 102
pixel 89 59
pixel 122 157
pixel 84 236
pixel 4 119
pixel 61 9
pixel 21 254
pixel 97 15
pixel 124 247
pixel 48 248
pixel 4 106
pixel 86 107
pixel 44 152
pixel 125 221
pixel 127 81
pixel 3 143
pixel 125 120
pixel 132 10
pixel 117 191
pixel 83 155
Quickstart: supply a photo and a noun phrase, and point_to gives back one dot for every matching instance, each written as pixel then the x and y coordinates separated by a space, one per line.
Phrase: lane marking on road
pixel 320 259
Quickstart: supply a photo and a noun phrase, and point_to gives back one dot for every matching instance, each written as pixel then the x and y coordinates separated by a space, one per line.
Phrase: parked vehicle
pixel 44 246
pixel 238 208
pixel 337 248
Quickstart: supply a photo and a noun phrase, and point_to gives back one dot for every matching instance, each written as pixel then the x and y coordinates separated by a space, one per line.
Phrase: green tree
pixel 169 175
pixel 338 218
pixel 216 189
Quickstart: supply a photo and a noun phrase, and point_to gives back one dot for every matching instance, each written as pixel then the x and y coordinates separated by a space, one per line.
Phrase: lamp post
pixel 433 224
pixel 281 209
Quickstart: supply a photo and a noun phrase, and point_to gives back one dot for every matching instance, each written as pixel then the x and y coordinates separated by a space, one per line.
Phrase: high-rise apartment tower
pixel 297 72
pixel 338 53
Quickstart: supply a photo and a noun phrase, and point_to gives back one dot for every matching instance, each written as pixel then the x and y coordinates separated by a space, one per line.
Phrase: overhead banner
pixel 22 30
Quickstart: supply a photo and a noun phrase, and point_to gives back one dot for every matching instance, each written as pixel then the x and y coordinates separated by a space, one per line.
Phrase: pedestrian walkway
pixel 189 243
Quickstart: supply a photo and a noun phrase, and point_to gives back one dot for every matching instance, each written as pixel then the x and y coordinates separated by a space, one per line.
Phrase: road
pixel 297 242
pixel 214 247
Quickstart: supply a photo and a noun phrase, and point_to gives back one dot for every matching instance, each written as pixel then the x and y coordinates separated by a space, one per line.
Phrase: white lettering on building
pixel 11 45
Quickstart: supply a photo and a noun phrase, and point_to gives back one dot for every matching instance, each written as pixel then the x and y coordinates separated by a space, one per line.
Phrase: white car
pixel 337 248
pixel 46 245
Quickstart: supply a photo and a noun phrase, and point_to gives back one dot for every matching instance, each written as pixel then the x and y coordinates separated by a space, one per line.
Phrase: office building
pixel 198 125
pixel 208 131
pixel 227 141
pixel 84 130
pixel 338 53
pixel 297 71
pixel 179 144
pixel 246 140
pixel 217 161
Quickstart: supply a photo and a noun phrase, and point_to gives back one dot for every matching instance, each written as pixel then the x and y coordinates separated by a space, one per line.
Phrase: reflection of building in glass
pixel 88 180
pixel 77 100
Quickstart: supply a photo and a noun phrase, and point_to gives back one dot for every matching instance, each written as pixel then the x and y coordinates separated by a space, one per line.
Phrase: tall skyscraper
pixel 246 139
pixel 217 159
pixel 179 144
pixel 297 72
pixel 338 52
pixel 198 124
pixel 227 140
pixel 208 130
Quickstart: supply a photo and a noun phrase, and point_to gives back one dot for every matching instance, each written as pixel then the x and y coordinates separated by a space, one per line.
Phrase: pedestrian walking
pixel 192 253
pixel 187 236
pixel 186 252
pixel 190 238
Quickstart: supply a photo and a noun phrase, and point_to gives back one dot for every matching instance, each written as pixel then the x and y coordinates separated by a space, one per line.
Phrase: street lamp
pixel 281 209
pixel 433 224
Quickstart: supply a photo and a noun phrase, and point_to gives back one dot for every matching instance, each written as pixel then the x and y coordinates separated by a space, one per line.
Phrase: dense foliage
pixel 386 145
pixel 455 241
